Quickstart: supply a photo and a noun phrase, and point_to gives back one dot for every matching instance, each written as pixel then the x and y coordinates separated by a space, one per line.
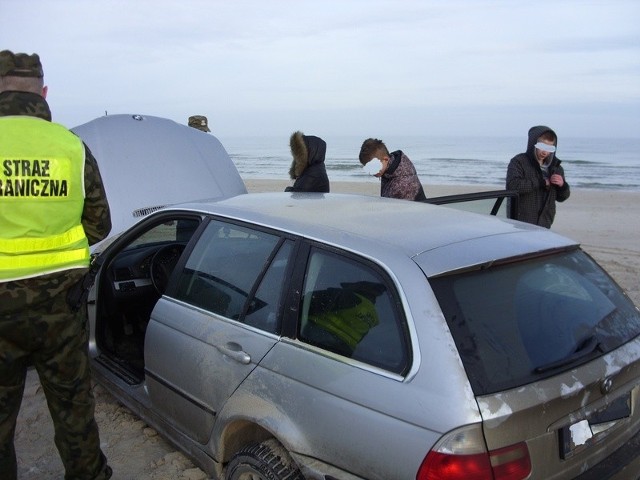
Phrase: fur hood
pixel 306 150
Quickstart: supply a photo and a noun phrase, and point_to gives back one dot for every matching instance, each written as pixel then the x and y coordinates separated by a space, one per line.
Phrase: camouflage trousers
pixel 37 328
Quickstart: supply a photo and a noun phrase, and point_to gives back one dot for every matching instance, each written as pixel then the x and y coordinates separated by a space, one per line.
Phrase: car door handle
pixel 235 352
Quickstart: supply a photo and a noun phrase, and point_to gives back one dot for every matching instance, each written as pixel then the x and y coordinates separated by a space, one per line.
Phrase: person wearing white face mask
pixel 538 178
pixel 397 174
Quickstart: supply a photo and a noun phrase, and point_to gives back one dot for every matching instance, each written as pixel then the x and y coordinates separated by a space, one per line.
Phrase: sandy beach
pixel 606 223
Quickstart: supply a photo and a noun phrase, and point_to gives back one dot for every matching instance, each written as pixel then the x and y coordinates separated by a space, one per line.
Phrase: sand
pixel 606 223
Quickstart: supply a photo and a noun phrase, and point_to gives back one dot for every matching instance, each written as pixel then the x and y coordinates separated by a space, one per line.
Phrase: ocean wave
pixel 606 186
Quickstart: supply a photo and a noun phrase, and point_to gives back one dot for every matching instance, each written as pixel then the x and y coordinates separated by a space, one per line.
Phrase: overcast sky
pixel 353 67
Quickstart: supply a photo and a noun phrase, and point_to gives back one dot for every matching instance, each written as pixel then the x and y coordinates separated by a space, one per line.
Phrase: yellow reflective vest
pixel 347 315
pixel 41 199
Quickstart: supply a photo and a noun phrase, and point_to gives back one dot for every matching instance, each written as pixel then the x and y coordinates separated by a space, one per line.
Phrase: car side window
pixel 348 308
pixel 170 231
pixel 225 267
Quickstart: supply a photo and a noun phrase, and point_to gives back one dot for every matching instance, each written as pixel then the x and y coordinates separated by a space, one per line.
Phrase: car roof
pixel 149 162
pixel 438 238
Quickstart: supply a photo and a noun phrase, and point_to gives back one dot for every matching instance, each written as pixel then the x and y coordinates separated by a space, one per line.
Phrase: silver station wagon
pixel 332 336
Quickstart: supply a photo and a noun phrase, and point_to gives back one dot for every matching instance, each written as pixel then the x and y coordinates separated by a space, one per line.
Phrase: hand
pixel 385 164
pixel 557 180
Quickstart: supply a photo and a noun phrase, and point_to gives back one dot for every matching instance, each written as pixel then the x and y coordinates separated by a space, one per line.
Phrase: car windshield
pixel 522 321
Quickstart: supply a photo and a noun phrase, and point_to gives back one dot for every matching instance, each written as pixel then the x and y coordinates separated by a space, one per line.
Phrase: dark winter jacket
pixel 307 167
pixel 400 179
pixel 536 201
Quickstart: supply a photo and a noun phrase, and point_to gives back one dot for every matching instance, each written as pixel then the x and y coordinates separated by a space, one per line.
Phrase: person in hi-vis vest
pixel 53 206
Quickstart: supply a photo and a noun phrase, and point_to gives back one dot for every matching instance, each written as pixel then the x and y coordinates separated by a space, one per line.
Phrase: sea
pixel 591 163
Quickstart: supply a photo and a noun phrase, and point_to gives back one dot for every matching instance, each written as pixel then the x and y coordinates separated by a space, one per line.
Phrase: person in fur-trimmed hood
pixel 538 178
pixel 307 167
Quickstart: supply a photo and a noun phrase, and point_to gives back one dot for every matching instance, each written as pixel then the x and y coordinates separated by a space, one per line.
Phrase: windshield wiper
pixel 586 348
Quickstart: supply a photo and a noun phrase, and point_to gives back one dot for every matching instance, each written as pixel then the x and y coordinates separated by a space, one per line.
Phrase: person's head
pixel 372 148
pixel 200 122
pixel 306 150
pixel 545 147
pixel 21 72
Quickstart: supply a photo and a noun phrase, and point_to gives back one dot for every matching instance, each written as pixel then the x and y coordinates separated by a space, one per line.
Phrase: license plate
pixel 580 435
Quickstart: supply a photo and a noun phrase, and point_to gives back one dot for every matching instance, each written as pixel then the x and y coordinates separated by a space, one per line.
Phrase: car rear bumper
pixel 623 464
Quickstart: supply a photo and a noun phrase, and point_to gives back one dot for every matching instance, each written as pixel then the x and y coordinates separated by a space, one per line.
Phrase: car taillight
pixel 462 454
pixel 441 466
pixel 511 463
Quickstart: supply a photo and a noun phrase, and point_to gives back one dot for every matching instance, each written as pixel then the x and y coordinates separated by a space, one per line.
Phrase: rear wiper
pixel 586 348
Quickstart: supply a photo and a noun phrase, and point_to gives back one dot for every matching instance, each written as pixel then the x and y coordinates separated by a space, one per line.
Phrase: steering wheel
pixel 162 265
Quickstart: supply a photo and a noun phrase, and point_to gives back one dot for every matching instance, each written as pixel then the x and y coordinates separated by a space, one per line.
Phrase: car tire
pixel 264 461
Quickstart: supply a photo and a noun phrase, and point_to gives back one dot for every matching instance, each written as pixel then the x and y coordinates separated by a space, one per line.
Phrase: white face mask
pixel 372 167
pixel 545 147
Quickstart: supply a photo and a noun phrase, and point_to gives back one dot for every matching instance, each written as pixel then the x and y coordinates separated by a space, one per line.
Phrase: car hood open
pixel 150 162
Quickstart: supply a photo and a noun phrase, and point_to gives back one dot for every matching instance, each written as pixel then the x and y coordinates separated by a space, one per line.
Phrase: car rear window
pixel 518 322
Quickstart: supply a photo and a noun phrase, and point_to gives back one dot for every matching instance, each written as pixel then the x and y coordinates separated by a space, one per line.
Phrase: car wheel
pixel 264 461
